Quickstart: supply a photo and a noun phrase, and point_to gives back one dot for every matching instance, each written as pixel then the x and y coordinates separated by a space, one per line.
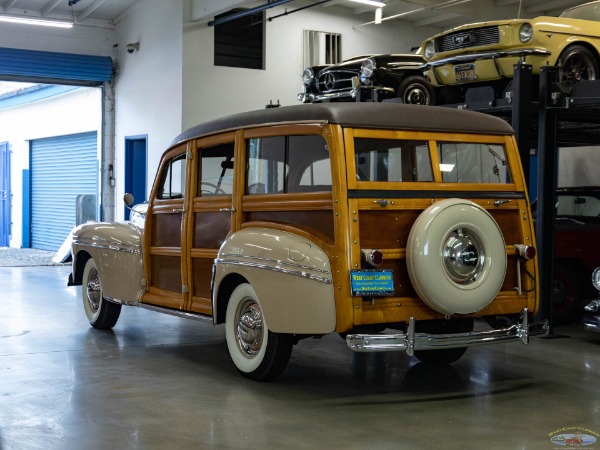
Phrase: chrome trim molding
pixel 108 245
pixel 256 265
pixel 472 57
pixel 274 261
pixel 412 341
pixel 174 312
pixel 591 326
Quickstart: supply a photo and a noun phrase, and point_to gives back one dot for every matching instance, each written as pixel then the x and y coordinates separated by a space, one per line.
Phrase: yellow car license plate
pixel 465 72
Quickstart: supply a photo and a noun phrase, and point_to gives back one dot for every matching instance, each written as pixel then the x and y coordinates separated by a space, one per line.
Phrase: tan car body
pixel 490 61
pixel 297 249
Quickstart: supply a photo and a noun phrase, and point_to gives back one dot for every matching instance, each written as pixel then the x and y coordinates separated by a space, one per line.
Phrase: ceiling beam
pixel 49 7
pixel 9 4
pixel 89 10
pixel 435 19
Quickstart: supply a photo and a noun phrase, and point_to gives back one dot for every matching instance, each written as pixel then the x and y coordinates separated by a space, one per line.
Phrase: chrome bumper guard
pixel 411 341
pixel 306 97
pixel 472 57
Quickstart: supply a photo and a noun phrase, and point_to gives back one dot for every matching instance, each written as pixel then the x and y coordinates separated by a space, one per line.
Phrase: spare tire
pixel 456 257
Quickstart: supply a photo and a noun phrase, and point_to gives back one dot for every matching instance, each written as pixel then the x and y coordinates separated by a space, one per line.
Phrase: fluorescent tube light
pixel 39 22
pixel 446 167
pixel 370 2
pixel 378 15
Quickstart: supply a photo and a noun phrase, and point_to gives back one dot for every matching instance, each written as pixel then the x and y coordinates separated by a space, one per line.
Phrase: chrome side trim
pixel 411 341
pixel 108 245
pixel 472 57
pixel 273 261
pixel 174 312
pixel 591 326
pixel 298 273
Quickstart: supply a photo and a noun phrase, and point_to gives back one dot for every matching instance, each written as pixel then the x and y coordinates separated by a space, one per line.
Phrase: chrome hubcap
pixel 415 95
pixel 249 328
pixel 463 256
pixel 94 290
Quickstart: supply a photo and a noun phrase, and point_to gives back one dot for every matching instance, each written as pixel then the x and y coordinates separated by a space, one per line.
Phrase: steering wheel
pixel 216 189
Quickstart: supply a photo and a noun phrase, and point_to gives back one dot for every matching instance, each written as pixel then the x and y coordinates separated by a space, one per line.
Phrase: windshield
pixel 581 205
pixel 587 11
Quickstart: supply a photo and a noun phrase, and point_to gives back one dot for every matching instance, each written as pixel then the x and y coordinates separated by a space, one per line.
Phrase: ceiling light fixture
pixel 370 2
pixel 378 15
pixel 39 22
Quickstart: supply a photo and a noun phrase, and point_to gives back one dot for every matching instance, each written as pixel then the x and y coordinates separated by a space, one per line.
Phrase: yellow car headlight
pixel 525 33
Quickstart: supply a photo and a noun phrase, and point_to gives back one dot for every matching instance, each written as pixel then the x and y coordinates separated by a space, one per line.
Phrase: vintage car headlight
pixel 525 32
pixel 429 50
pixel 308 76
pixel 596 278
pixel 367 69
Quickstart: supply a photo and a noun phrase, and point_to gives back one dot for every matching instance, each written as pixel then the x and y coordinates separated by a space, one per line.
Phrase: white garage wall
pixel 212 92
pixel 78 40
pixel 148 87
pixel 74 112
pixel 578 166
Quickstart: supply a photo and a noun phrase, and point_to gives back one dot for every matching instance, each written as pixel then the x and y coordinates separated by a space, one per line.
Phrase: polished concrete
pixel 161 382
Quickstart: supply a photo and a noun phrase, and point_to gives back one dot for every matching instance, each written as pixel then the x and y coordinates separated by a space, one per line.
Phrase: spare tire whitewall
pixel 456 257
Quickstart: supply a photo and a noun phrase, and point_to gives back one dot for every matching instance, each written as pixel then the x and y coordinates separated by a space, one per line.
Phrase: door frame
pixel 136 175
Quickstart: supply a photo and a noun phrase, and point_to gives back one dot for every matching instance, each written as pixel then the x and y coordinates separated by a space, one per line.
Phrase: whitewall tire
pixel 101 313
pixel 257 353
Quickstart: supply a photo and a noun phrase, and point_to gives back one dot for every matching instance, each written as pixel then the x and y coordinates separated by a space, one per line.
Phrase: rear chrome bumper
pixel 412 341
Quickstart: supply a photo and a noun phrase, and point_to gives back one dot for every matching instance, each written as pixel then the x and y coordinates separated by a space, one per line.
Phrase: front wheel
pixel 257 352
pixel 416 91
pixel 101 313
pixel 578 64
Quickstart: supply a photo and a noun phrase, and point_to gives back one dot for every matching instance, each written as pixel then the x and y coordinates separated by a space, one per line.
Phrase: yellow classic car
pixel 342 218
pixel 487 51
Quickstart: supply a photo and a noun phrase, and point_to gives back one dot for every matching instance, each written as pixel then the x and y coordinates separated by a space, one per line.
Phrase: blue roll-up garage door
pixel 61 168
pixel 53 67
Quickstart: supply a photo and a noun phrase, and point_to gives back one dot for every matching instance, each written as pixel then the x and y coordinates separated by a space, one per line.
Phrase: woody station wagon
pixel 393 225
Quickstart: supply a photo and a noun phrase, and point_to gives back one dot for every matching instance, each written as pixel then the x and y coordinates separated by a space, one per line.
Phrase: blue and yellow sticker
pixel 371 282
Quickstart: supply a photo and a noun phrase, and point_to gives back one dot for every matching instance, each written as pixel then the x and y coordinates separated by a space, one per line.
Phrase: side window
pixel 468 162
pixel 288 164
pixel 390 160
pixel 173 179
pixel 216 170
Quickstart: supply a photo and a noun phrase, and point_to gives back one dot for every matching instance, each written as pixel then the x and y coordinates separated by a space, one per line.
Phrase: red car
pixel 577 249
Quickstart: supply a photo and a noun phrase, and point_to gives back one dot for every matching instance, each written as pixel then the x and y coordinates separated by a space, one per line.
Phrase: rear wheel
pixel 446 355
pixel 101 313
pixel 257 352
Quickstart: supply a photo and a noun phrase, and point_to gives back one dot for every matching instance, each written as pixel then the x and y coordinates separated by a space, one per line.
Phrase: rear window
pixel 467 162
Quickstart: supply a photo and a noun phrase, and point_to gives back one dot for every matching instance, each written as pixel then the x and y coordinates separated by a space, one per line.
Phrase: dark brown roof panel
pixel 364 115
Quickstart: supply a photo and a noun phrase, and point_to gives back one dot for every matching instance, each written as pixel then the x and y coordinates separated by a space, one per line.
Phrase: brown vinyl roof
pixel 363 115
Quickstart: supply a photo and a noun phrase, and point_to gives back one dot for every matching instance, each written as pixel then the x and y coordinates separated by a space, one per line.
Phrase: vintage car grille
pixel 339 80
pixel 468 38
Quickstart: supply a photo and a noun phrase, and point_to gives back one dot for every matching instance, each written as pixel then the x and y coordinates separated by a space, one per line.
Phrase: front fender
pixel 291 276
pixel 117 251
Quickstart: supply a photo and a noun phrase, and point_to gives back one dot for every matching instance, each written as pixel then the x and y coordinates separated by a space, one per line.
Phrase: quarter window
pixel 173 180
pixel 288 164
pixel 392 160
pixel 467 162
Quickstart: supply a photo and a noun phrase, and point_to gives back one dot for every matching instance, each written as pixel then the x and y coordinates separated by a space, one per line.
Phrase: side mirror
pixel 128 199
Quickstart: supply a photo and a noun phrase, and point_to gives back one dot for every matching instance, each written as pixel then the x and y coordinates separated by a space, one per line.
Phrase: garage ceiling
pixel 443 14
pixel 437 13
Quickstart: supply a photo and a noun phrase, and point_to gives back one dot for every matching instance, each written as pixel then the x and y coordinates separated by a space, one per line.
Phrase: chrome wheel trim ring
pixel 93 290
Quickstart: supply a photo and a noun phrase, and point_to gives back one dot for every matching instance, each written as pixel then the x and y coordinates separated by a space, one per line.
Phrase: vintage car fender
pixel 117 251
pixel 290 274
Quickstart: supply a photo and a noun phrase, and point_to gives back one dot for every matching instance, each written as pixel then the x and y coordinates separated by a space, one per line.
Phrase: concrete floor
pixel 161 382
